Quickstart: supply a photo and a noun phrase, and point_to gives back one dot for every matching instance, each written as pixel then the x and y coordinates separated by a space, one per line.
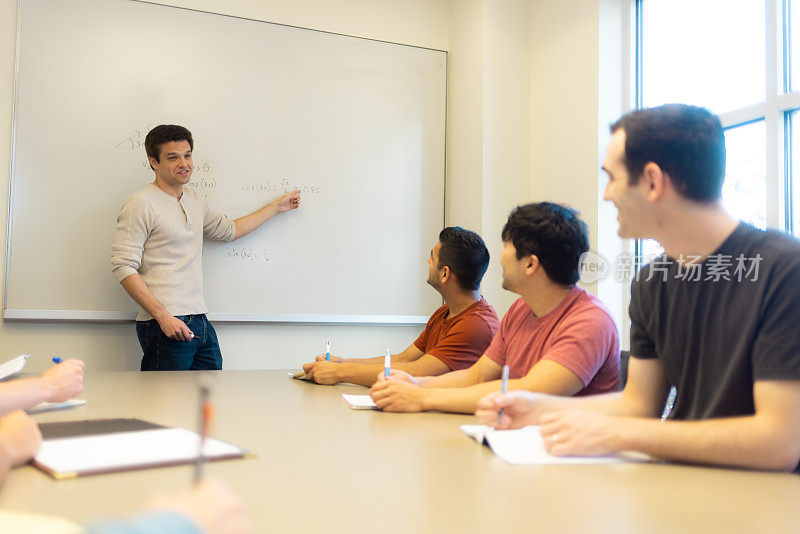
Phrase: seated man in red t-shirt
pixel 556 338
pixel 456 334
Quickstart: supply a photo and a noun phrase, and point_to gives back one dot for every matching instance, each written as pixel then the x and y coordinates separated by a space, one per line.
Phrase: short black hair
pixel 165 133
pixel 553 233
pixel 465 253
pixel 687 142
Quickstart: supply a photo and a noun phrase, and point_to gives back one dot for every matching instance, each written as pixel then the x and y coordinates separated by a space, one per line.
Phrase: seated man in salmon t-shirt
pixel 456 335
pixel 556 338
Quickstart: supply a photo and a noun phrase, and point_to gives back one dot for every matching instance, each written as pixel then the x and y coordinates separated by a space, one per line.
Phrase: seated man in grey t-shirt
pixel 157 255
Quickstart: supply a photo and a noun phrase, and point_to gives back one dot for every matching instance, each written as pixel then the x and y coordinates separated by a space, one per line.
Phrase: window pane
pixel 794 40
pixel 708 53
pixel 794 169
pixel 650 249
pixel 745 191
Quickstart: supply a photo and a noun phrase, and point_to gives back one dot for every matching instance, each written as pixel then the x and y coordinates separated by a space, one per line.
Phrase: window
pixel 744 192
pixel 740 59
pixel 708 53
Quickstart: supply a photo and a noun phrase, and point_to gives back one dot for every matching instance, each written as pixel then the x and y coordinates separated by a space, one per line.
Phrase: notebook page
pixel 359 402
pixel 12 366
pixel 524 446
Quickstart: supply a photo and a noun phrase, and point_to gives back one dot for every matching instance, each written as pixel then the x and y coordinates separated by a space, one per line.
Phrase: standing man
pixel 456 334
pixel 716 315
pixel 157 255
pixel 556 338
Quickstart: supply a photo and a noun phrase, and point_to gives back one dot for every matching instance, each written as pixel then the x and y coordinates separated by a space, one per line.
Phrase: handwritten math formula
pixel 133 141
pixel 282 187
pixel 197 167
pixel 247 255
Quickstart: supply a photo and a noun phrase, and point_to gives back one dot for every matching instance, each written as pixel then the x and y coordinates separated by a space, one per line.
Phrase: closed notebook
pixel 95 446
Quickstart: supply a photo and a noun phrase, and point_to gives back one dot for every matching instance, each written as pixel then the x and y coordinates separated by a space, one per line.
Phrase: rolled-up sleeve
pixel 217 225
pixel 133 226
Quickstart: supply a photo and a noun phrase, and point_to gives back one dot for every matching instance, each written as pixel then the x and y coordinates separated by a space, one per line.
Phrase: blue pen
pixel 56 359
pixel 387 363
pixel 328 349
pixel 503 390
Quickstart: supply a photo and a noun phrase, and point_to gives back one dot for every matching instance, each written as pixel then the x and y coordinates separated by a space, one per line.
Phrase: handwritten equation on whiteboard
pixel 247 255
pixel 282 187
pixel 134 140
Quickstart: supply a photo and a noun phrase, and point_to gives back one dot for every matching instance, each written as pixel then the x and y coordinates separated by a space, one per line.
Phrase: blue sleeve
pixel 151 523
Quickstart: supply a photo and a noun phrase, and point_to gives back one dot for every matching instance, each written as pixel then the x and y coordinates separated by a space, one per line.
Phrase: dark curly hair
pixel 553 233
pixel 466 255
pixel 164 134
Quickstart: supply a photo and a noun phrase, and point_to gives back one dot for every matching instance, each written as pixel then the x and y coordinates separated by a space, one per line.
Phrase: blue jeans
pixel 164 354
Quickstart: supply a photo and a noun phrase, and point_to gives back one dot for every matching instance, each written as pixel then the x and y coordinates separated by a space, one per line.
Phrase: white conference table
pixel 322 467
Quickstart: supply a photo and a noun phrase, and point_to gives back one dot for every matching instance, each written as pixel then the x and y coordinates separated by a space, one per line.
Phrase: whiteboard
pixel 358 125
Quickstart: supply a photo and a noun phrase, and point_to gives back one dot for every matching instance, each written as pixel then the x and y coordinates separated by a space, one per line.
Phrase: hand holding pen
pixel 63 380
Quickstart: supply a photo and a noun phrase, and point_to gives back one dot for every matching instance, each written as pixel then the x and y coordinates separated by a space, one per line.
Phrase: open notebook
pixel 13 366
pixel 95 446
pixel 299 375
pixel 360 402
pixel 524 446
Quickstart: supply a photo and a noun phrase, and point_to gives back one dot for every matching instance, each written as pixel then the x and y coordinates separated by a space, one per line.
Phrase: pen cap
pixel 204 383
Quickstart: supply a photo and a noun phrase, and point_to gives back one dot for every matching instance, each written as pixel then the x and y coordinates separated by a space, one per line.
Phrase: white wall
pixel 488 123
pixel 564 150
pixel 577 89
pixel 114 347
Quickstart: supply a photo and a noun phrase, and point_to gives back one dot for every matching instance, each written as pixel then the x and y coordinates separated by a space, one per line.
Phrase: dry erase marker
pixel 387 363
pixel 56 359
pixel 206 415
pixel 503 389
pixel 328 349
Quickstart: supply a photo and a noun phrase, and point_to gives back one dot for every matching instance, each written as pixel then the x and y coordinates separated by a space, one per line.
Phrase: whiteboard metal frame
pixel 282 24
pixel 87 316
pixel 14 109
